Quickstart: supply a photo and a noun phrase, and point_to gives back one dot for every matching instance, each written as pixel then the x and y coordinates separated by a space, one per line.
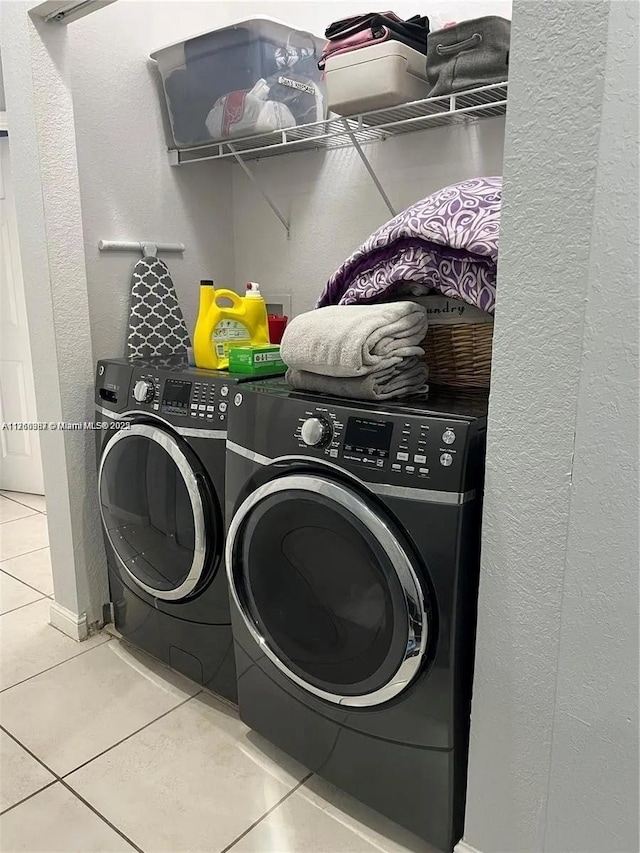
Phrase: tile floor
pixel 102 749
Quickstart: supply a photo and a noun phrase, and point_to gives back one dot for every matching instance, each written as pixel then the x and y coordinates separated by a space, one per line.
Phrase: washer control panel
pixel 408 450
pixel 421 445
pixel 203 400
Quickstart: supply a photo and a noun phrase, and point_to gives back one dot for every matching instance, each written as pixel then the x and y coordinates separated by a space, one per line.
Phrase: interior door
pixel 328 589
pixel 21 466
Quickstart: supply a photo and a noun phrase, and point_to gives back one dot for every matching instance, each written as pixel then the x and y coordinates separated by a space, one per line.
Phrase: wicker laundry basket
pixel 459 354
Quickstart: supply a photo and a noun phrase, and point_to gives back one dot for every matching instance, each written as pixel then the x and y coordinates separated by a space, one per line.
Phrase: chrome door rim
pixel 418 621
pixel 170 445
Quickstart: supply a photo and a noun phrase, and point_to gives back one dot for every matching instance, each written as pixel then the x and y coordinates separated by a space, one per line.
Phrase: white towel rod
pixel 144 246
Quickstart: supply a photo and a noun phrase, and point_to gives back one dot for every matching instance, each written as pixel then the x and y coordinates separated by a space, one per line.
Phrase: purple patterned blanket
pixel 448 242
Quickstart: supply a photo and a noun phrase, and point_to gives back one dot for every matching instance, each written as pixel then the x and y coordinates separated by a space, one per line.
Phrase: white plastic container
pixel 200 71
pixel 375 77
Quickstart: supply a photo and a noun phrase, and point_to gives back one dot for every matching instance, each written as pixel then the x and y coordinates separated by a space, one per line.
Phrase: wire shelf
pixel 339 132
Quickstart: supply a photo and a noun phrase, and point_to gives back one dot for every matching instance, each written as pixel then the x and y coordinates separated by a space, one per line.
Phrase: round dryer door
pixel 327 588
pixel 152 511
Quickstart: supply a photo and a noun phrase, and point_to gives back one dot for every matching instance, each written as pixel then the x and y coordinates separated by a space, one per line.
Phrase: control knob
pixel 144 391
pixel 315 432
pixel 448 436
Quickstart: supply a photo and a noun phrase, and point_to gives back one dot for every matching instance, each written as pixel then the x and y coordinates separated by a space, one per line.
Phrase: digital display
pixel 367 437
pixel 176 393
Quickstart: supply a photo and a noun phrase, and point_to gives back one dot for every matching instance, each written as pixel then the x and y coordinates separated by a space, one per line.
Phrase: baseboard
pixel 69 623
pixel 463 847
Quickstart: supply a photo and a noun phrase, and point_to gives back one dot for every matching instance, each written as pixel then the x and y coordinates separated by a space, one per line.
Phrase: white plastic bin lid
pixel 271 27
pixel 416 61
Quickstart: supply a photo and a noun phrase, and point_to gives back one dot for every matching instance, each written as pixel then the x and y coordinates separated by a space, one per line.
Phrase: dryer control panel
pixel 412 445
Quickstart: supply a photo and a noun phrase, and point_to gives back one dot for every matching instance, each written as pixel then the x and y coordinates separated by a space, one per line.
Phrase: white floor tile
pixel 298 826
pixel 372 827
pixel 10 510
pixel 21 774
pixel 23 535
pixel 192 781
pixel 55 821
pixel 29 645
pixel 33 569
pixel 14 594
pixel 69 714
pixel 36 502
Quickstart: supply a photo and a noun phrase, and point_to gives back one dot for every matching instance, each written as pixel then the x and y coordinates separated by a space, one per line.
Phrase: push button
pixel 396 467
pixel 224 390
pixel 409 469
pixel 402 457
pixel 448 436
pixel 446 459
pixel 419 460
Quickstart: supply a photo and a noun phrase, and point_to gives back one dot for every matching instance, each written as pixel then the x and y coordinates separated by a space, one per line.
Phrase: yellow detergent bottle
pixel 220 327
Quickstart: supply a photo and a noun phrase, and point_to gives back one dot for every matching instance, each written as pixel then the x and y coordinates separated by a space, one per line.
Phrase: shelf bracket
pixel 262 192
pixel 369 167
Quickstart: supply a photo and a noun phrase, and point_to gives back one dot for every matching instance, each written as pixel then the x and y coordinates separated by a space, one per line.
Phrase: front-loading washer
pixel 161 482
pixel 352 556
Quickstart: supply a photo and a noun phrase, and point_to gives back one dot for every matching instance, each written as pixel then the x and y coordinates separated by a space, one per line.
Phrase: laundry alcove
pixel 89 117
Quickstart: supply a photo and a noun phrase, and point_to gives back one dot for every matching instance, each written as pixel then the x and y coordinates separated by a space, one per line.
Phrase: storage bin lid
pixel 416 61
pixel 265 26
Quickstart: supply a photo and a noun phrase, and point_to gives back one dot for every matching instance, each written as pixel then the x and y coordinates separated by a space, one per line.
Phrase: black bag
pixel 376 26
pixel 468 55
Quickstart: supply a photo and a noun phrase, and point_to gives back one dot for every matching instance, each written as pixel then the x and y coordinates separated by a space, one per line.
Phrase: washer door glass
pixel 152 511
pixel 325 585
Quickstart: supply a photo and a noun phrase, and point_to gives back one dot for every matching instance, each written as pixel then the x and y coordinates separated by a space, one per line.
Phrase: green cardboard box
pixel 256 360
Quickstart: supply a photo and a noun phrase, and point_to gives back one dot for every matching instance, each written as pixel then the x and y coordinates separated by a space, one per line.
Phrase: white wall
pixel 45 175
pixel 332 205
pixel 554 735
pixel 128 189
pixel 2 100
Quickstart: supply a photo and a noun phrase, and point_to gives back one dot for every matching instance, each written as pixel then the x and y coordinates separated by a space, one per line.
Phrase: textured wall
pixel 593 784
pixel 553 762
pixel 45 175
pixel 2 100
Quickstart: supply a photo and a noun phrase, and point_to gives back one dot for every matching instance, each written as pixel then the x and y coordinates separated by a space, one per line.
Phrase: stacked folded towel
pixel 364 352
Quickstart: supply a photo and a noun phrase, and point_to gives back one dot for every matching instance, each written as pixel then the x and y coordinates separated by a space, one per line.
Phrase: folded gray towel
pixel 379 385
pixel 354 340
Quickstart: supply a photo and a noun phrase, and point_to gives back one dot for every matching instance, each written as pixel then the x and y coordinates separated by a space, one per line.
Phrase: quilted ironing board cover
pixel 156 324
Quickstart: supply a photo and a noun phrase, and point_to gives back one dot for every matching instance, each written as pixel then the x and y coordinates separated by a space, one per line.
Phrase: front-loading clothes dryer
pixel 161 481
pixel 352 555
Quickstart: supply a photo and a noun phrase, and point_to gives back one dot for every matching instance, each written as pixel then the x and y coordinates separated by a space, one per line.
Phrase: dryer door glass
pixel 325 584
pixel 152 511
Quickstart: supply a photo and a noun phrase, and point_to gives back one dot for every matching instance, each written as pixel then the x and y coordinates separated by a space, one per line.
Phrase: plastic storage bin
pixel 375 77
pixel 252 77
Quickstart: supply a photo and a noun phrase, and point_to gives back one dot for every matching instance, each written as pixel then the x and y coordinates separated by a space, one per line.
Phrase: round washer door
pixel 327 589
pixel 153 511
